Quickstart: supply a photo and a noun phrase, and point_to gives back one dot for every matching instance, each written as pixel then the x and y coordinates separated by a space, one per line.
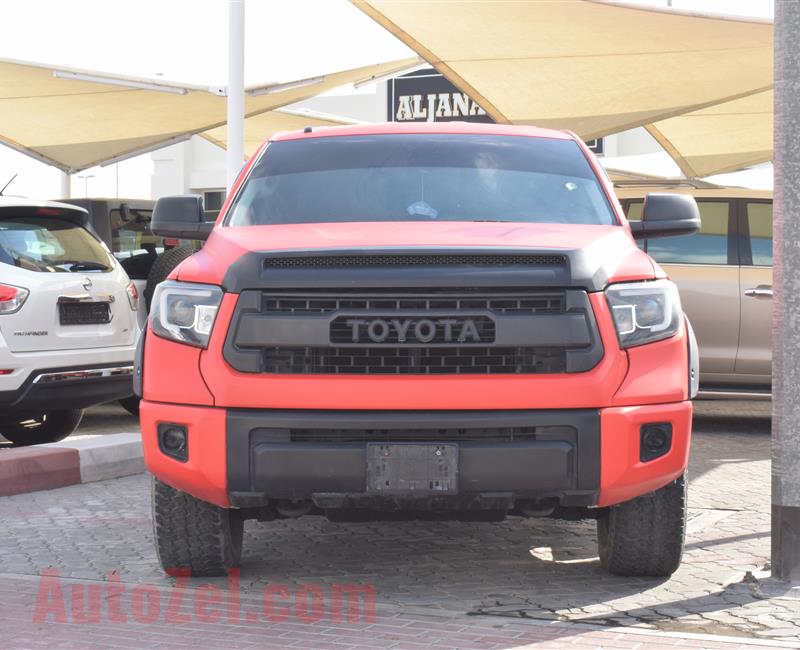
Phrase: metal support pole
pixel 235 155
pixel 65 186
pixel 786 301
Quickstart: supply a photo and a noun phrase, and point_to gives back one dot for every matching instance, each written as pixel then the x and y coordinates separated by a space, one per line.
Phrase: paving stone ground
pixel 436 583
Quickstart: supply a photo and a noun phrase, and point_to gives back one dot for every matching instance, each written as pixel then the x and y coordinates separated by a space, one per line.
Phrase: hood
pixel 595 255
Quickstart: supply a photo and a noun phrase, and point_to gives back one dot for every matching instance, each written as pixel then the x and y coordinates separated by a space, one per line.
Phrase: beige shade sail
pixel 720 138
pixel 74 124
pixel 592 67
pixel 264 125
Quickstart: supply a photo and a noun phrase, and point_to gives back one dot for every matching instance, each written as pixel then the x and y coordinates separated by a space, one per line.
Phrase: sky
pixel 186 40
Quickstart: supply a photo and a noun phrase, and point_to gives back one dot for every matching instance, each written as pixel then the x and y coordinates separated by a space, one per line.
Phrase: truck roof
pixel 385 128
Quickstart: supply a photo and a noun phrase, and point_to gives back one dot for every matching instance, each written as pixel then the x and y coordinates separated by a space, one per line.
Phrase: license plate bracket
pixel 410 469
pixel 84 313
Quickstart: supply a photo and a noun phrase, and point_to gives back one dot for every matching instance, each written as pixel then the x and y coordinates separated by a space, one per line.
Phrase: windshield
pixel 422 177
pixel 50 245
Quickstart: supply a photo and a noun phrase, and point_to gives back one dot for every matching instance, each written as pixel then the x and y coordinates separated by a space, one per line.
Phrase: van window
pixel 708 246
pixel 759 221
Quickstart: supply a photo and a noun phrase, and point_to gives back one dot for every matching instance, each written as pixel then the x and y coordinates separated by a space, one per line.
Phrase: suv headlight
pixel 185 312
pixel 644 311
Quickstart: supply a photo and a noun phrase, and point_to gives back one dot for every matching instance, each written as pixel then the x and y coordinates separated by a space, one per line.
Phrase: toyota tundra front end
pixel 449 318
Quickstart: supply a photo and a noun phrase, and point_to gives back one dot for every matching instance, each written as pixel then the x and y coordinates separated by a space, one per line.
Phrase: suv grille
pixel 383 260
pixel 391 360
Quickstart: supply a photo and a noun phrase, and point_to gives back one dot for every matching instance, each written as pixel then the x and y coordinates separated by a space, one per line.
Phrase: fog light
pixel 655 441
pixel 173 441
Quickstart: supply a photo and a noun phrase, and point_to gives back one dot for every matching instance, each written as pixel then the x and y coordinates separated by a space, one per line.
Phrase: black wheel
pixel 37 430
pixel 193 535
pixel 162 267
pixel 131 405
pixel 644 536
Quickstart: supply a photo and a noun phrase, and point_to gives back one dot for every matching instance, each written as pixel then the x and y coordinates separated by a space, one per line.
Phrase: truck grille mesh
pixel 534 303
pixel 390 360
pixel 415 259
pixel 504 434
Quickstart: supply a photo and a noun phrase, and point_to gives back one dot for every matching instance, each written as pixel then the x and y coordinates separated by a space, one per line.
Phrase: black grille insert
pixel 546 302
pixel 505 434
pixel 394 360
pixel 413 259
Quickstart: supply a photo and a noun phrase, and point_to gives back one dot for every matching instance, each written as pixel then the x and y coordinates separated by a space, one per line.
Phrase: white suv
pixel 68 325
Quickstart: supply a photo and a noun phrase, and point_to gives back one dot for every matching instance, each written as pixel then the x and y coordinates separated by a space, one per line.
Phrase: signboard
pixel 426 96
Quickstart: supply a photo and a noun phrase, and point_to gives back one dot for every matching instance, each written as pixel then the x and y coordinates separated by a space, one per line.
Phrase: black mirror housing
pixel 181 217
pixel 667 215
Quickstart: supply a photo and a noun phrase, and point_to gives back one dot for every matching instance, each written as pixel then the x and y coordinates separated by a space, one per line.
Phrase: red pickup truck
pixel 429 318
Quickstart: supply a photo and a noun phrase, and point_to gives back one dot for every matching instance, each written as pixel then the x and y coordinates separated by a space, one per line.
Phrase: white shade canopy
pixel 598 68
pixel 81 118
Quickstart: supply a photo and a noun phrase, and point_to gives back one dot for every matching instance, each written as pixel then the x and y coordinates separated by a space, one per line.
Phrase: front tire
pixel 644 536
pixel 41 429
pixel 192 535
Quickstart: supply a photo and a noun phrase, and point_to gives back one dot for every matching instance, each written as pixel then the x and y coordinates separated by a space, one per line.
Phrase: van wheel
pixel 192 535
pixel 644 536
pixel 131 405
pixel 162 267
pixel 47 427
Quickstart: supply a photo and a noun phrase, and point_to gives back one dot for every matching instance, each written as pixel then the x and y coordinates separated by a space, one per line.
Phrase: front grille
pixel 549 302
pixel 413 331
pixel 391 360
pixel 416 259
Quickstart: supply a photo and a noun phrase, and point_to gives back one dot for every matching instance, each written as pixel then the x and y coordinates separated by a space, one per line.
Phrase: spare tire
pixel 162 267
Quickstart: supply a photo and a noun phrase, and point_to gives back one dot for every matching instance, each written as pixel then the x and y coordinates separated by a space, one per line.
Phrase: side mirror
pixel 180 217
pixel 667 215
pixel 124 212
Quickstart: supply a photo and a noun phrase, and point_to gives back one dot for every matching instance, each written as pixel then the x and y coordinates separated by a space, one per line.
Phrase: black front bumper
pixel 503 456
pixel 52 389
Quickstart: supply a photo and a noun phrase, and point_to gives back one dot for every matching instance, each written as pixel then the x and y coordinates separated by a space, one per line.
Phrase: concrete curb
pixel 80 459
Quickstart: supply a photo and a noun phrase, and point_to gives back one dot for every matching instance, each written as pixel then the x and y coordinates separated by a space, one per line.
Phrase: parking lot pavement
pixel 432 583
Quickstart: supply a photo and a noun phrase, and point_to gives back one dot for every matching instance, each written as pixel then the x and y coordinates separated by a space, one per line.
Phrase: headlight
pixel 185 312
pixel 644 311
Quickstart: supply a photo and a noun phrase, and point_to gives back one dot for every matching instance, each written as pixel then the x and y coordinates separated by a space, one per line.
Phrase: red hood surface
pixel 622 260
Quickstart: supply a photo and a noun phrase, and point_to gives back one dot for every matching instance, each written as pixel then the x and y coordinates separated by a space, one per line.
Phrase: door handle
pixel 762 291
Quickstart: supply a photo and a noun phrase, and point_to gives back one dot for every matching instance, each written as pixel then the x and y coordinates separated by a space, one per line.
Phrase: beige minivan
pixel 724 274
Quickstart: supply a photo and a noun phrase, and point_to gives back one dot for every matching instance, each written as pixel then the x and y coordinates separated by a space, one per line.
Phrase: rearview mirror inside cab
pixel 667 215
pixel 181 217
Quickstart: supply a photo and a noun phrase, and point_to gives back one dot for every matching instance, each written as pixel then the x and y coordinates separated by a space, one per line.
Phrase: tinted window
pixel 634 210
pixel 709 246
pixel 439 177
pixel 759 220
pixel 131 235
pixel 50 245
